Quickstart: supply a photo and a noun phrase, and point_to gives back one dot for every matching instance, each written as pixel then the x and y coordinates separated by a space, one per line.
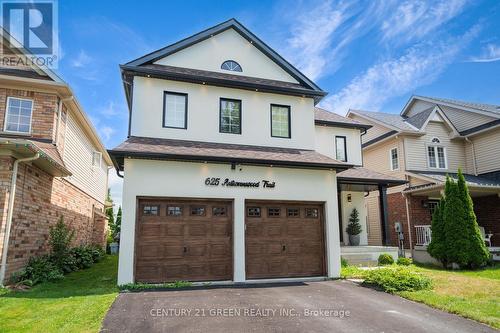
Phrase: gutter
pixel 10 208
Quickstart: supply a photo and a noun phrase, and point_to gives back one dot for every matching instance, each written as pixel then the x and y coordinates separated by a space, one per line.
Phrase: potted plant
pixel 354 228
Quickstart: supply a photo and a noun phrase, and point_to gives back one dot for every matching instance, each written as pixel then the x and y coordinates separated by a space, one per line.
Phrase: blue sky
pixel 370 55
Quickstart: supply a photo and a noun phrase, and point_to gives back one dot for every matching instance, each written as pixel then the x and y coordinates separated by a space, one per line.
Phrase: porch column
pixel 384 223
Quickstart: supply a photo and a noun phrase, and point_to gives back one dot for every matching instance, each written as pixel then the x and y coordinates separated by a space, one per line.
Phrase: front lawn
pixel 471 294
pixel 78 303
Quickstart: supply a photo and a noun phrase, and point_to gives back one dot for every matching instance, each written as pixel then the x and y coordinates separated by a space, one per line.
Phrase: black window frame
pixel 345 147
pixel 231 70
pixel 165 93
pixel 220 113
pixel 289 121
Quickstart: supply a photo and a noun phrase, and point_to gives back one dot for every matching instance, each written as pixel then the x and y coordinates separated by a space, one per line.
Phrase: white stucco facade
pixel 187 180
pixel 325 142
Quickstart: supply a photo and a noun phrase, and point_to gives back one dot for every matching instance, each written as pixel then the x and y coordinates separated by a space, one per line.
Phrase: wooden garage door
pixel 284 240
pixel 187 240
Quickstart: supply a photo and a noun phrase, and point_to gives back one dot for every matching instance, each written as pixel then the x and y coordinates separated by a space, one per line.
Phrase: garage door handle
pixel 284 247
pixel 185 249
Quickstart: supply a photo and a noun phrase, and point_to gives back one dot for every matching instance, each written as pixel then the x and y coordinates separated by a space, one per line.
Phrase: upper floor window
pixel 341 148
pixel 280 121
pixel 175 110
pixel 18 115
pixel 231 65
pixel 96 159
pixel 394 159
pixel 230 116
pixel 437 157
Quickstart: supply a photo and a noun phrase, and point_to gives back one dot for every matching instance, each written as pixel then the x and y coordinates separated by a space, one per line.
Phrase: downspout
pixel 473 154
pixel 410 240
pixel 10 209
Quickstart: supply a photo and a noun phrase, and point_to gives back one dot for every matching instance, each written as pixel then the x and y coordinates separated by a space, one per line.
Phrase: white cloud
pixel 81 60
pixel 415 19
pixel 106 132
pixel 115 184
pixel 421 64
pixel 109 110
pixel 312 35
pixel 490 53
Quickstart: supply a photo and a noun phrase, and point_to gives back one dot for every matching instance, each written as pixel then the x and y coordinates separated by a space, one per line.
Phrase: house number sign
pixel 215 181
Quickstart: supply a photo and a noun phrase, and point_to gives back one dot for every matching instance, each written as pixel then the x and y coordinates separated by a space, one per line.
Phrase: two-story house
pixel 430 138
pixel 230 172
pixel 52 162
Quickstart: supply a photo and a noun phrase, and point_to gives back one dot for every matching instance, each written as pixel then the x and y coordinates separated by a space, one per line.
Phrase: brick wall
pixel 487 211
pixel 5 177
pixel 44 111
pixel 40 201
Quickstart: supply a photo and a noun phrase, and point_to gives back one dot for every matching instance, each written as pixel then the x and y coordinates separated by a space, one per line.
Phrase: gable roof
pixel 210 32
pixel 328 118
pixel 492 110
pixel 390 120
pixel 420 118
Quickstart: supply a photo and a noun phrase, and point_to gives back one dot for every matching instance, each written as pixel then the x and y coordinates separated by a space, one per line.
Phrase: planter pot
pixel 113 248
pixel 354 240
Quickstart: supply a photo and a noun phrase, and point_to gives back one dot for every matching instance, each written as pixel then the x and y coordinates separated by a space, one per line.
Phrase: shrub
pixel 353 228
pixel 146 286
pixel 343 262
pixel 352 272
pixel 82 256
pixel 60 240
pixel 385 259
pixel 404 261
pixel 397 278
pixel 39 269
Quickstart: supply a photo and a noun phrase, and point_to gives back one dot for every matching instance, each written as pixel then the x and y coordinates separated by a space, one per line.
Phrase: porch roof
pixel 363 176
pixel 437 180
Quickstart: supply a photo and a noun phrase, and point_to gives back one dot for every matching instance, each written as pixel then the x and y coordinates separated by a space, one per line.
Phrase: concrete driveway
pixel 328 306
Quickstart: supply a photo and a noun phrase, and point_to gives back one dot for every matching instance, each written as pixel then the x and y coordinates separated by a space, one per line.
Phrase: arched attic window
pixel 231 65
pixel 435 140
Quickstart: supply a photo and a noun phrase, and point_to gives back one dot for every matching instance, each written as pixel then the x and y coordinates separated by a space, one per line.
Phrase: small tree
pixel 60 240
pixel 475 253
pixel 354 228
pixel 437 247
pixel 118 224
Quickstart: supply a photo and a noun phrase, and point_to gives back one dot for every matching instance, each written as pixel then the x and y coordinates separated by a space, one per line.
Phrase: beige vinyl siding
pixel 374 132
pixel 414 181
pixel 77 156
pixel 487 148
pixel 463 120
pixel 418 106
pixel 469 158
pixel 416 148
pixel 373 214
pixel 377 158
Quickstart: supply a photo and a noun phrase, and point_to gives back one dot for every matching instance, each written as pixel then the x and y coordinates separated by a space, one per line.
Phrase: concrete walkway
pixel 328 306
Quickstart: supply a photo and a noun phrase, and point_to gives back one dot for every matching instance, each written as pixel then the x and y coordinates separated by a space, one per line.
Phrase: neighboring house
pixel 52 165
pixel 230 172
pixel 433 137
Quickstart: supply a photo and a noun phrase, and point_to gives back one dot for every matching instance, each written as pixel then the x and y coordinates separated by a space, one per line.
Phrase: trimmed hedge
pixel 385 259
pixel 397 278
pixel 404 261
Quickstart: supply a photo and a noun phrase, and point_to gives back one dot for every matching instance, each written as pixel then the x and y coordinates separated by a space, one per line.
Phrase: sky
pixel 370 55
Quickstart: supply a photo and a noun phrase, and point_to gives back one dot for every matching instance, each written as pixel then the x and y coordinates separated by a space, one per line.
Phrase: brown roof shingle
pixel 366 175
pixel 322 116
pixel 221 152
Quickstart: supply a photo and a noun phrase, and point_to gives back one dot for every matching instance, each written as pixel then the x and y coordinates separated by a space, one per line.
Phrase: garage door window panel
pixel 253 212
pixel 151 210
pixel 312 213
pixel 174 210
pixel 197 211
pixel 273 212
pixel 219 211
pixel 293 212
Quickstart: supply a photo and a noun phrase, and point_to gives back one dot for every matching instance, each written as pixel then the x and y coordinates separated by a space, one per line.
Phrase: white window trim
pixel 100 159
pixel 7 114
pixel 390 158
pixel 436 156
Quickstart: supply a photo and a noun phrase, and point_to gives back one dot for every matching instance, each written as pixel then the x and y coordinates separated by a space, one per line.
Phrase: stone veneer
pixel 40 201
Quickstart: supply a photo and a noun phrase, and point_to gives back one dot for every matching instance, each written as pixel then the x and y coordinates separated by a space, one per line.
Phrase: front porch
pixel 485 194
pixel 353 187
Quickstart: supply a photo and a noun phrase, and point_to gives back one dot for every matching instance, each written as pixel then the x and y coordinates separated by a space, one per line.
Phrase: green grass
pixel 76 304
pixel 471 294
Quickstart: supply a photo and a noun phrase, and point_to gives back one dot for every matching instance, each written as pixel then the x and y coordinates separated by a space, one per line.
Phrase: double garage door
pixel 192 240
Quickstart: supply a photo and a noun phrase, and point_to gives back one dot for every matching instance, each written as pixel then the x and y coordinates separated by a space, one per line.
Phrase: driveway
pixel 328 306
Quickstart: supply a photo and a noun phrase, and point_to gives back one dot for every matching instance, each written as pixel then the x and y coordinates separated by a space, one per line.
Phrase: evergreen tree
pixel 118 223
pixel 437 247
pixel 354 228
pixel 475 253
pixel 454 223
pixel 110 212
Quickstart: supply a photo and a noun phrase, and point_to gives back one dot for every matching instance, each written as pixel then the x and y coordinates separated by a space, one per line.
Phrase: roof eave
pixel 341 124
pixel 116 155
